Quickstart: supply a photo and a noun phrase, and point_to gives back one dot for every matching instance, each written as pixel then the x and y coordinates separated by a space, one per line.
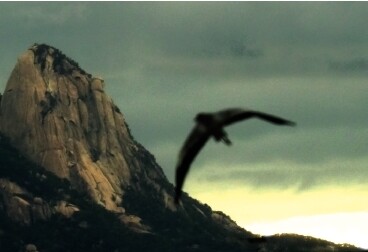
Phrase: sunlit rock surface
pixel 60 117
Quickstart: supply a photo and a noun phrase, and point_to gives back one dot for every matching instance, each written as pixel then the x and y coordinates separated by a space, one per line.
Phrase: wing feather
pixel 274 119
pixel 230 116
pixel 192 145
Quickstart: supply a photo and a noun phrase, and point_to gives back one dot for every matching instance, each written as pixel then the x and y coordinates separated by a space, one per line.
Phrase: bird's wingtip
pixel 292 124
pixel 176 201
pixel 289 123
pixel 177 196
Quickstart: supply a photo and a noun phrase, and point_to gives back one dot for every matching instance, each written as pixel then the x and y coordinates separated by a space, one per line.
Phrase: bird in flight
pixel 212 125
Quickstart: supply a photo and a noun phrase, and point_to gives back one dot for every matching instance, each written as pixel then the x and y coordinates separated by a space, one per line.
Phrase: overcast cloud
pixel 164 62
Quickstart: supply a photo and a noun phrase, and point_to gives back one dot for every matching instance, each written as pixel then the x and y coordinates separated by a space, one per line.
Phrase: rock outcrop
pixel 60 117
pixel 24 208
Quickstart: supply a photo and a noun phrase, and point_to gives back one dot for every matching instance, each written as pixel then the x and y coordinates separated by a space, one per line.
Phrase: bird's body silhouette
pixel 212 125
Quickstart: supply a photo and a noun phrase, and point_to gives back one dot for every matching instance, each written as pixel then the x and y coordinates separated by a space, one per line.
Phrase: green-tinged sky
pixel 165 61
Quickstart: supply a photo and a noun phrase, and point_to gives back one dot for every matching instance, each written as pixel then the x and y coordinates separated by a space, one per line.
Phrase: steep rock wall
pixel 60 117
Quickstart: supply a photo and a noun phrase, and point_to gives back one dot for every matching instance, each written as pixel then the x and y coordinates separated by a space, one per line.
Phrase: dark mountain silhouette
pixel 212 125
pixel 72 178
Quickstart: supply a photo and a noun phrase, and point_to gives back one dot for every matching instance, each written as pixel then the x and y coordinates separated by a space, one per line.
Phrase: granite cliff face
pixel 60 117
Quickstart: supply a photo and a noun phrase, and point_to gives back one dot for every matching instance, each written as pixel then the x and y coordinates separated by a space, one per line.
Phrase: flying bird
pixel 212 125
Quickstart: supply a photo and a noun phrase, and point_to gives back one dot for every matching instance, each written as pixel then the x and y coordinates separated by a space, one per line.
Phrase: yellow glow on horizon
pixel 323 212
pixel 283 202
pixel 340 228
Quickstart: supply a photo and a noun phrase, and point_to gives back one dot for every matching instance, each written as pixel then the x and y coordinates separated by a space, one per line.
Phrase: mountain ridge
pixel 70 162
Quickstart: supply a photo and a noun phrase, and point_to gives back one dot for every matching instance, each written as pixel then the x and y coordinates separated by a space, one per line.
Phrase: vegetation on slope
pixel 61 63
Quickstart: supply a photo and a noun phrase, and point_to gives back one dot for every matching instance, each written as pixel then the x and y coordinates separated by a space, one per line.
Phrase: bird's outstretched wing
pixel 192 145
pixel 230 116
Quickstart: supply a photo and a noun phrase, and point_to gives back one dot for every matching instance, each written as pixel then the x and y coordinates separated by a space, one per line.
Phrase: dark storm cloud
pixel 291 175
pixel 279 35
pixel 359 65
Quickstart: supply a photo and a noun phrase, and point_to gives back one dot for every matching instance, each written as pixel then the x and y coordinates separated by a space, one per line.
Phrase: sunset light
pixel 331 213
pixel 351 228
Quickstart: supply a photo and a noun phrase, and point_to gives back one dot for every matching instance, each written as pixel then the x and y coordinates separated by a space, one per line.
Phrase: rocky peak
pixel 60 117
pixel 50 57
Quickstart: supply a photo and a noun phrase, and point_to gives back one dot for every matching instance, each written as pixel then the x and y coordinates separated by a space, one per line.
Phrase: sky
pixel 163 62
